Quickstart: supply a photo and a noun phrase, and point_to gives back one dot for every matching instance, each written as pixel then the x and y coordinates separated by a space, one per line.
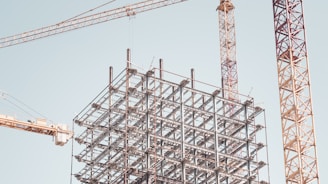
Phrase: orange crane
pixel 229 74
pixel 228 50
pixel 76 23
pixel 301 164
pixel 60 132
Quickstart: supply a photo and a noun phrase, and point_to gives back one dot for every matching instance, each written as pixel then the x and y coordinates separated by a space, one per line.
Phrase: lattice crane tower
pixel 301 165
pixel 228 49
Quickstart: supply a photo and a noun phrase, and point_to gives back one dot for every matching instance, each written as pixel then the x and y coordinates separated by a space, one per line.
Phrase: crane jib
pixel 77 23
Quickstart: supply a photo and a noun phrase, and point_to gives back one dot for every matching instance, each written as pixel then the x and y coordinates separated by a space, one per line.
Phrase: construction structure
pixel 60 132
pixel 229 73
pixel 144 129
pixel 79 22
pixel 301 163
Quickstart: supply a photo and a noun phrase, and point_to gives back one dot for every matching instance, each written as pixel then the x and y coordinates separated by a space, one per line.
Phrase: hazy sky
pixel 58 76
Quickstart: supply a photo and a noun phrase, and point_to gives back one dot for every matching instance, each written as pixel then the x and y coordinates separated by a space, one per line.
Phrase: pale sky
pixel 58 76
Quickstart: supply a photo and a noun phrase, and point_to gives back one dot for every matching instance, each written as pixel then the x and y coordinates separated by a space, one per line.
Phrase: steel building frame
pixel 144 129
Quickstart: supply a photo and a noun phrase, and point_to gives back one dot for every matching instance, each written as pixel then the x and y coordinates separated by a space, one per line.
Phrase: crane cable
pixel 83 13
pixel 20 105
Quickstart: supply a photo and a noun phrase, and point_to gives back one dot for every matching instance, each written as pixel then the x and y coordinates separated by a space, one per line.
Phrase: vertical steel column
pixel 110 89
pixel 91 154
pixel 126 142
pixel 174 134
pixel 225 144
pixel 193 122
pixel 154 124
pixel 161 111
pixel 215 122
pixel 204 124
pixel 247 144
pixel 148 151
pixel 182 137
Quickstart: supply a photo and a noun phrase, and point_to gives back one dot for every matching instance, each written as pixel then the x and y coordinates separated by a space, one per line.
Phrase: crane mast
pixel 229 76
pixel 228 50
pixel 300 157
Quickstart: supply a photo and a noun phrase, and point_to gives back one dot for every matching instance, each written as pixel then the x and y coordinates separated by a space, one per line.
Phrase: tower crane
pixel 298 134
pixel 60 132
pixel 81 22
pixel 229 77
pixel 228 49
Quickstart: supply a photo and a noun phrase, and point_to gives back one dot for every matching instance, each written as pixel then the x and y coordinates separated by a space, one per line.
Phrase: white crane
pixel 60 133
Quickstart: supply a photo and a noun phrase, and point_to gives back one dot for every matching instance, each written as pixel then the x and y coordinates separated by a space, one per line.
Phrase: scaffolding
pixel 144 129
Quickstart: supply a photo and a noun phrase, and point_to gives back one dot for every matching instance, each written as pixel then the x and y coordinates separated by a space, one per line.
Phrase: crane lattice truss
pixel 81 22
pixel 144 129
pixel 60 132
pixel 295 95
pixel 228 49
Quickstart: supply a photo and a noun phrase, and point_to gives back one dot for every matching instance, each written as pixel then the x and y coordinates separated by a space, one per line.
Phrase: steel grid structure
pixel 144 129
pixel 301 165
